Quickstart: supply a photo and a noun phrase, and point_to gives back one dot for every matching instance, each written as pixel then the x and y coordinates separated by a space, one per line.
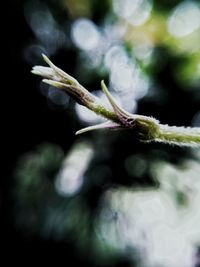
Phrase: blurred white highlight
pixel 125 77
pixel 71 176
pixel 125 8
pixel 163 232
pixel 143 51
pixel 115 55
pixel 85 34
pixel 114 33
pixel 86 115
pixel 141 14
pixel 44 26
pixel 184 19
pixel 135 12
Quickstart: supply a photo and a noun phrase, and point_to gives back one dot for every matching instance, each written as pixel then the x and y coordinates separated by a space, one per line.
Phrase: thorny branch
pixel 147 128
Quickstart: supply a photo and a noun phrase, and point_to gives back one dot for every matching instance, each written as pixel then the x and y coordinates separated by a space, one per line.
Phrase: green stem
pixel 178 135
pixel 102 111
pixel 148 129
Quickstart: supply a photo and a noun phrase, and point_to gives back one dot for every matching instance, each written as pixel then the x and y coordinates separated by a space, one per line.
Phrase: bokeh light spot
pixel 71 175
pixel 184 19
pixel 57 96
pixel 85 34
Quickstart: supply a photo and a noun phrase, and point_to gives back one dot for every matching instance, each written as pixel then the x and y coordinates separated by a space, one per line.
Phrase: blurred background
pixel 103 198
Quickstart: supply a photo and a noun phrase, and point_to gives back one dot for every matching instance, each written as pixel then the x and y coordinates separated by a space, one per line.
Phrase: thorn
pixel 104 125
pixel 54 83
pixel 126 118
pixel 115 106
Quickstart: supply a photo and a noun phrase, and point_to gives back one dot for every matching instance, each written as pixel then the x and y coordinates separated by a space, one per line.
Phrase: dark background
pixel 28 121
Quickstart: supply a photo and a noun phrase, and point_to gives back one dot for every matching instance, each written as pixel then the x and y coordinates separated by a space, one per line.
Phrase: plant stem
pixel 147 128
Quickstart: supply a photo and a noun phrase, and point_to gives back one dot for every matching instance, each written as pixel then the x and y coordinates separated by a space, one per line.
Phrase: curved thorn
pixel 113 103
pixel 104 125
pixel 60 72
